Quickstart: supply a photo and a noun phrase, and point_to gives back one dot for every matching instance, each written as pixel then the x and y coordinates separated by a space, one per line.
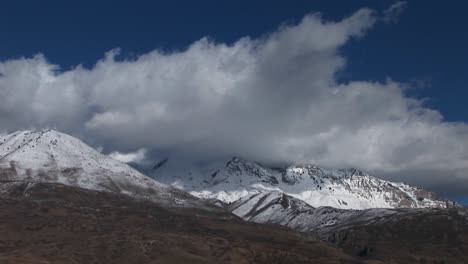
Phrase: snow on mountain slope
pixel 50 156
pixel 278 208
pixel 231 180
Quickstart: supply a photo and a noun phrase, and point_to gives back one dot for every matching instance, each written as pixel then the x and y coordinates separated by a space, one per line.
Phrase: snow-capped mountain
pixel 236 178
pixel 278 208
pixel 53 157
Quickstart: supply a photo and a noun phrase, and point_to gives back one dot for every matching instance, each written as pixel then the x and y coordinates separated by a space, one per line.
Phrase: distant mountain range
pixel 306 198
pixel 58 191
pixel 237 178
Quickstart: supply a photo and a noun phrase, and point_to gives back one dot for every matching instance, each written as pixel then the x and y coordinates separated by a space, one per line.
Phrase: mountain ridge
pixel 54 157
pixel 350 188
pixel 53 185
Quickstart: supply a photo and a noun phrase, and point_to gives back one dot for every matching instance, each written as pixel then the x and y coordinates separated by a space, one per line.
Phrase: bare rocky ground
pixel 52 223
pixel 426 236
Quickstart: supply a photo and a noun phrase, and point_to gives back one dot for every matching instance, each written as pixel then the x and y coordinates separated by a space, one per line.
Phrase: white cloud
pixel 272 99
pixel 132 157
pixel 393 13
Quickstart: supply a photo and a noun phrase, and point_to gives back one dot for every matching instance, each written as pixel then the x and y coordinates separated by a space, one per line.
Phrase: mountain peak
pixel 49 156
pixel 317 186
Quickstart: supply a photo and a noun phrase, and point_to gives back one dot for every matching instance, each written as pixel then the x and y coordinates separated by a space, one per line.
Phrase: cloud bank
pixel 273 99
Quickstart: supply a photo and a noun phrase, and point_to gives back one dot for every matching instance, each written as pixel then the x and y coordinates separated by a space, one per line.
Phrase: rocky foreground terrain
pixel 63 202
pixel 421 236
pixel 53 223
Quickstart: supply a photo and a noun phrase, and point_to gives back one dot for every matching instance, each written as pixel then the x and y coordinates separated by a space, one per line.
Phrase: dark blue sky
pixel 427 47
pixel 462 200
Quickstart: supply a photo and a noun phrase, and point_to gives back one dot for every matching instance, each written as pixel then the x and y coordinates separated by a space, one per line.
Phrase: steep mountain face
pixel 339 188
pixel 50 156
pixel 278 208
pixel 404 235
